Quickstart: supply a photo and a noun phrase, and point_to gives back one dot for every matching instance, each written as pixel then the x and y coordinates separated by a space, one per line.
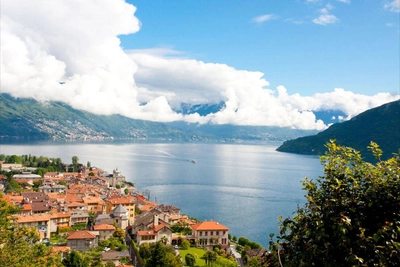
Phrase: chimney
pixel 155 220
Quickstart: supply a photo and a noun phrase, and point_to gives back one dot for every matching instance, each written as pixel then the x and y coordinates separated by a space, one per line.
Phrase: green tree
pixel 190 260
pixel 13 159
pixel 110 263
pixel 75 163
pixel 185 244
pixel 351 217
pixel 210 257
pixel 145 251
pixel 254 262
pixel 119 233
pixel 75 259
pixel 19 245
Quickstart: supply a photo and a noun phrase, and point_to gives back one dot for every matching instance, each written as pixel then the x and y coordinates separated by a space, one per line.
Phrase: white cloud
pixel 263 18
pixel 325 17
pixel 54 50
pixel 295 21
pixel 344 1
pixel 393 6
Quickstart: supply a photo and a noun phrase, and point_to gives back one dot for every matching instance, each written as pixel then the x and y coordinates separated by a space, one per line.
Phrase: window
pixel 223 241
pixel 200 233
pixel 205 233
pixel 211 232
pixel 216 232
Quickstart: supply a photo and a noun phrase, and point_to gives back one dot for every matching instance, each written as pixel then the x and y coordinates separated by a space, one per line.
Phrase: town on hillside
pixel 90 209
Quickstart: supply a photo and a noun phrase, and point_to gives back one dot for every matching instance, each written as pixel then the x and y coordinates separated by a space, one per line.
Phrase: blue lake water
pixel 245 187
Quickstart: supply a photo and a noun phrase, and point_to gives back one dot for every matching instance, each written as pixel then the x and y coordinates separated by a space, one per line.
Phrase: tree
pixel 75 160
pixel 190 260
pixel 185 245
pixel 210 257
pixel 19 245
pixel 75 259
pixel 351 217
pixel 162 255
pixel 119 233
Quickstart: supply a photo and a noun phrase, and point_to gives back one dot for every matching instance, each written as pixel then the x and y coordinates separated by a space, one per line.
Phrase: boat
pixel 193 161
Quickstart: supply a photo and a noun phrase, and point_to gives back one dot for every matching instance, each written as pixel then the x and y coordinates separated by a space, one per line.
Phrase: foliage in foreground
pixel 19 247
pixel 351 217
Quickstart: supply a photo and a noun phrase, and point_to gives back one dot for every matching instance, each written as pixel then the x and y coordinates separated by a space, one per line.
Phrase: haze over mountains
pixel 24 118
pixel 380 125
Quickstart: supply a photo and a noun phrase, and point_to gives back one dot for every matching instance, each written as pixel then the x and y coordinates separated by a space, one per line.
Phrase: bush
pixel 351 217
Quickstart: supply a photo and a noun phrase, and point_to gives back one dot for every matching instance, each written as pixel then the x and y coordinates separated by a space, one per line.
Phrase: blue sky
pixel 357 51
pixel 272 63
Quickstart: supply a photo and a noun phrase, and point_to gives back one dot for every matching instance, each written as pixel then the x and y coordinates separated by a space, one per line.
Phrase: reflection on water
pixel 245 187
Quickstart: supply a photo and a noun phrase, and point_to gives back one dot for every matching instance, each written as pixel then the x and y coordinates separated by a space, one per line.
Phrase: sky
pixel 272 63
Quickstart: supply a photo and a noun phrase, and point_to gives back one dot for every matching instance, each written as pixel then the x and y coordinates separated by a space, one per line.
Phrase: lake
pixel 246 187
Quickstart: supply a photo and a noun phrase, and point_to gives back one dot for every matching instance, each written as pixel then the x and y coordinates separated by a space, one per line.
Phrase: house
pixel 81 240
pixel 149 228
pixel 27 176
pixel 128 202
pixel 95 204
pixel 53 175
pixel 59 219
pixel 116 178
pixel 40 207
pixel 26 210
pixel 210 234
pixel 10 166
pixel 41 222
pixel 114 256
pixel 117 217
pixel 79 216
pixel 105 231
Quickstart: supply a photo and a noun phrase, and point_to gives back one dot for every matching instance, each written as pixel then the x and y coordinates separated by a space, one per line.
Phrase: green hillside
pixel 30 119
pixel 381 125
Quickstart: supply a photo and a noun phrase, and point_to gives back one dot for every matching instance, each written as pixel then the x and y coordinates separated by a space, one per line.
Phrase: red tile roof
pixel 99 227
pixel 212 225
pixel 81 235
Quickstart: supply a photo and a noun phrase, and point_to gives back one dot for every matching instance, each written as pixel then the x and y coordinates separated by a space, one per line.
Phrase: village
pixel 78 211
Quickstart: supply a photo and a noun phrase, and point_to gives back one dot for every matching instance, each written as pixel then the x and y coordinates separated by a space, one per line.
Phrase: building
pixel 41 222
pixel 105 231
pixel 210 234
pixel 118 217
pixel 149 228
pixel 116 178
pixel 128 202
pixel 81 240
pixel 79 216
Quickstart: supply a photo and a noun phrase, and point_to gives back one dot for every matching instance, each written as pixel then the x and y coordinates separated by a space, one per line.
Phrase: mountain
pixel 23 118
pixel 380 124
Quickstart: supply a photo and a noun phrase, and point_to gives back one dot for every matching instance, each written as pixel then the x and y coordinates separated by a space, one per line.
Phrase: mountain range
pixel 23 118
pixel 380 125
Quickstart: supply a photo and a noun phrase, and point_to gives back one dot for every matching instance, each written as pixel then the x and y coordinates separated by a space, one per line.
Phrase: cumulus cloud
pixel 263 18
pixel 344 1
pixel 325 16
pixel 70 51
pixel 393 6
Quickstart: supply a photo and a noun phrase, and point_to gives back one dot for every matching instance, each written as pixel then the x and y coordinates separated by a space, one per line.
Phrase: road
pixel 237 256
